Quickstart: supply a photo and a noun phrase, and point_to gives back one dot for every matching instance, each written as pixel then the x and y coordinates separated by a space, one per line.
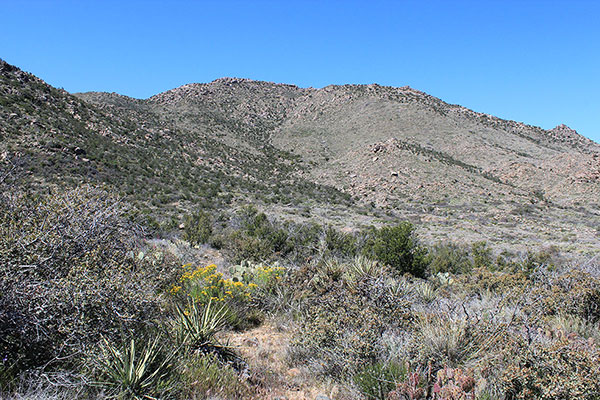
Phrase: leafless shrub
pixel 68 276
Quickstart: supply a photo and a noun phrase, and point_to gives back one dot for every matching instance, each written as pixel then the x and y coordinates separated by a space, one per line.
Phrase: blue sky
pixel 532 61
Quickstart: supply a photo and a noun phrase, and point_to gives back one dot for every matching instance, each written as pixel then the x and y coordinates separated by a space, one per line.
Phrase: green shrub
pixel 257 239
pixel 197 228
pixel 338 244
pixel 482 255
pixel 377 380
pixel 449 257
pixel 399 248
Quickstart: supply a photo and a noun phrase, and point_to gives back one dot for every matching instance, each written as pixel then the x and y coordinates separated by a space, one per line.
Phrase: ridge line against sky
pixel 536 62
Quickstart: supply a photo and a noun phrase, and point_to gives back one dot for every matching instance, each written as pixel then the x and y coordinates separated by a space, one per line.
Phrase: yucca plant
pixel 136 370
pixel 195 328
pixel 361 267
pixel 425 291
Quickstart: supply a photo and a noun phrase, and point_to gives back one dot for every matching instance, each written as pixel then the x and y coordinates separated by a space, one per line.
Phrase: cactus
pixel 412 389
pixel 454 384
pixel 242 272
pixel 247 271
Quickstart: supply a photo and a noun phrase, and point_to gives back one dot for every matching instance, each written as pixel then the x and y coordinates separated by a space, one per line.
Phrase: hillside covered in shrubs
pixel 90 308
pixel 194 246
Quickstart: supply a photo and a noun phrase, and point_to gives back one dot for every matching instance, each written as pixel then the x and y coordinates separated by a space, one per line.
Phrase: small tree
pixel 198 228
pixel 398 247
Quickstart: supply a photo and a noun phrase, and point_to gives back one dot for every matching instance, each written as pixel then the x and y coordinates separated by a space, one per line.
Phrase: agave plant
pixel 135 370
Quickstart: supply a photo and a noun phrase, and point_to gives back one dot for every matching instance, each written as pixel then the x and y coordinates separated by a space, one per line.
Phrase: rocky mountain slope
pixel 351 155
pixel 54 137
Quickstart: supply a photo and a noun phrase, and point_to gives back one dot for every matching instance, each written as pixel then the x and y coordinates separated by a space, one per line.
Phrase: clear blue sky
pixel 532 61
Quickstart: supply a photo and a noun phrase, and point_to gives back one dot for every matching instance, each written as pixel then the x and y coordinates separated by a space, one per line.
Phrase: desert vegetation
pixel 249 240
pixel 93 308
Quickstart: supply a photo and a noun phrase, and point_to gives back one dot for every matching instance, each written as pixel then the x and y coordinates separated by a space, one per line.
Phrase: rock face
pixel 355 146
pixel 563 133
pixel 564 130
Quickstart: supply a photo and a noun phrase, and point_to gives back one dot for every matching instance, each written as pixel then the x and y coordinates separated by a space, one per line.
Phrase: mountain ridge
pixel 364 154
pixel 559 130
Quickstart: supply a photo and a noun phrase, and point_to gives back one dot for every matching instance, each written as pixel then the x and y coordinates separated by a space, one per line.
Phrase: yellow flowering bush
pixel 265 275
pixel 204 284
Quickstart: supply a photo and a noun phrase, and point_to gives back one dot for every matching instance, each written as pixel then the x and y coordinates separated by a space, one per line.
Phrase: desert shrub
pixel 240 246
pixel 563 369
pixel 512 285
pixel 337 244
pixel 206 377
pixel 303 240
pixel 197 228
pixel 399 248
pixel 51 234
pixel 68 275
pixel 341 322
pixel 43 385
pixel 451 258
pixel 256 238
pixel 528 262
pixel 457 342
pixel 574 292
pixel 482 255
pixel 377 380
pixel 338 340
pixel 531 261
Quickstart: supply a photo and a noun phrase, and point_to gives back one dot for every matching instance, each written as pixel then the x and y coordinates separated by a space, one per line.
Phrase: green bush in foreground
pixel 137 369
pixel 398 247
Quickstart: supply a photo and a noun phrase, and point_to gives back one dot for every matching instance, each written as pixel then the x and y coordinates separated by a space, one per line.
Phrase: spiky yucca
pixel 196 326
pixel 137 369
